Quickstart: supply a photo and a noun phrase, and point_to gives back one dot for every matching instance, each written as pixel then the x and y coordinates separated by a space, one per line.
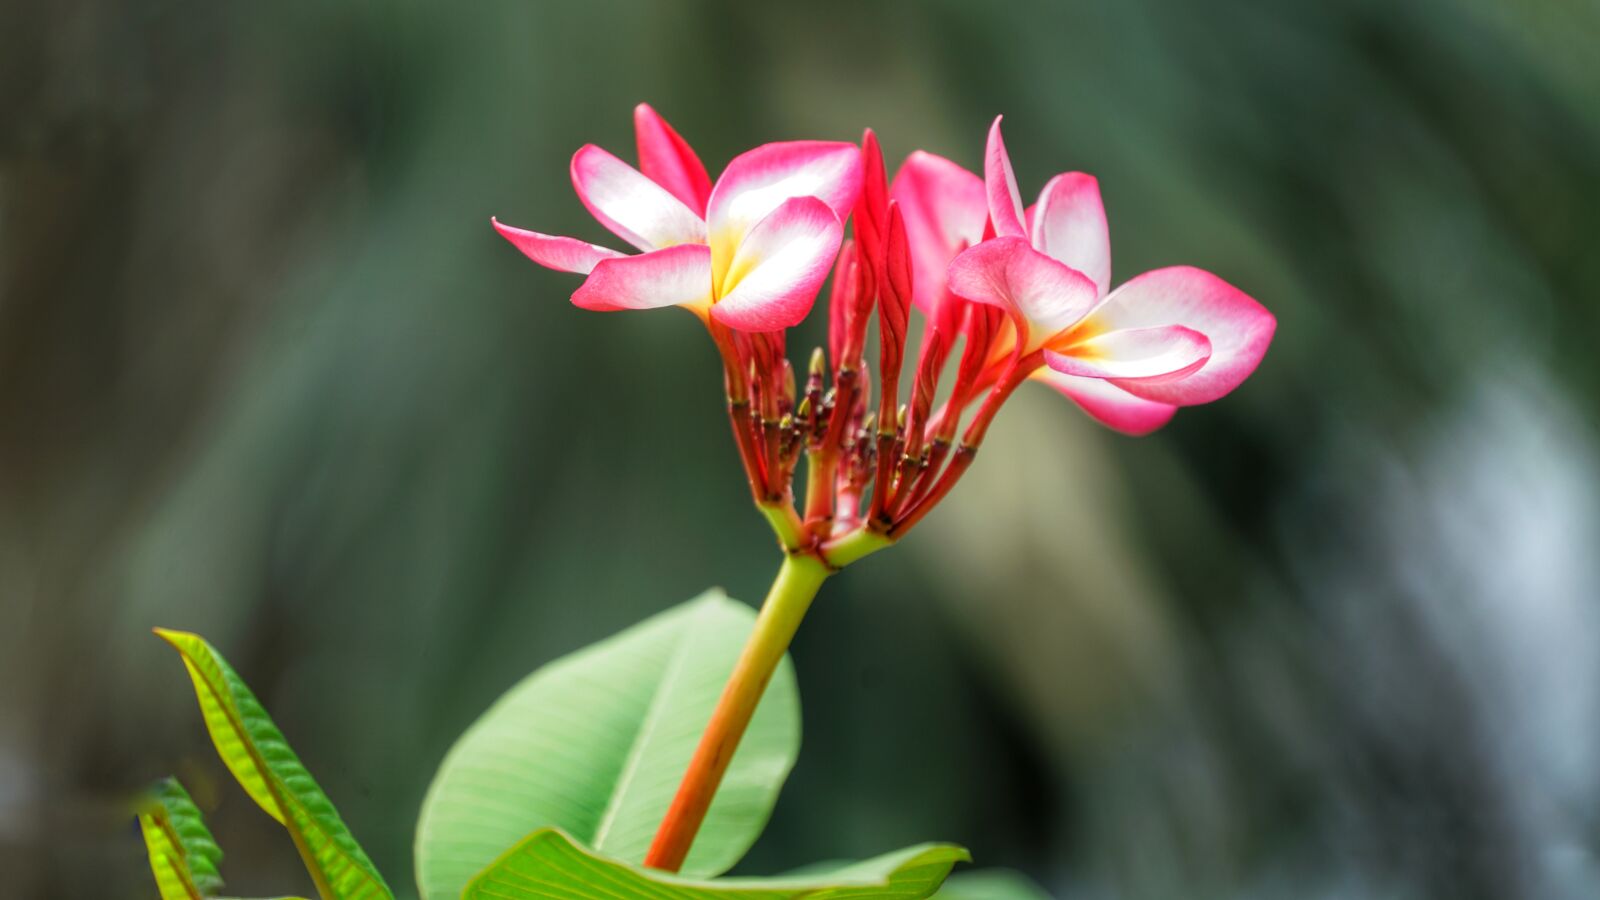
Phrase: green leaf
pixel 258 756
pixel 183 856
pixel 991 884
pixel 595 744
pixel 549 865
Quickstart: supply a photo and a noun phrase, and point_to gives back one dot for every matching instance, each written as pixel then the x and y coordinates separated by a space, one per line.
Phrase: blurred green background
pixel 267 374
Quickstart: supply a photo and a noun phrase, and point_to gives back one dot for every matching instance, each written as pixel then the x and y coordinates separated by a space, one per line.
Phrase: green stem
pixel 853 546
pixel 785 523
pixel 798 581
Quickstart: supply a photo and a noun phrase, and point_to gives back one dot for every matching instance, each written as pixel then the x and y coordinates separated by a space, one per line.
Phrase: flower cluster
pixel 1007 294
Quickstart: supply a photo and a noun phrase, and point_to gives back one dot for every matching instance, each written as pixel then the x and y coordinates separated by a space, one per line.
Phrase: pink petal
pixel 1238 327
pixel 635 208
pixel 1110 405
pixel 676 276
pixel 944 209
pixel 561 253
pixel 668 160
pixel 774 277
pixel 757 181
pixel 1166 353
pixel 1069 224
pixel 1000 183
pixel 1008 273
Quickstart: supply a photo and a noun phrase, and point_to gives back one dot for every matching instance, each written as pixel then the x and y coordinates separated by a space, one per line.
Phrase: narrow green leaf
pixel 174 881
pixel 258 756
pixel 549 865
pixel 595 743
pixel 183 855
pixel 991 884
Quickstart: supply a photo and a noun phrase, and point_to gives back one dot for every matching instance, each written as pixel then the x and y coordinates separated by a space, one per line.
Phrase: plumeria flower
pixel 1171 337
pixel 1022 293
pixel 749 252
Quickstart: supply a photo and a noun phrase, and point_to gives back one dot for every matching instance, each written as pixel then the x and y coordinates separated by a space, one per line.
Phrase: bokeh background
pixel 266 374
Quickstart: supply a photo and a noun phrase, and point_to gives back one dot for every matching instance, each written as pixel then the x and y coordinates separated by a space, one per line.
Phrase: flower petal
pixel 1238 327
pixel 1069 224
pixel 1000 184
pixel 1008 273
pixel 944 209
pixel 1110 405
pixel 774 277
pixel 635 208
pixel 676 276
pixel 1166 353
pixel 561 253
pixel 759 180
pixel 668 160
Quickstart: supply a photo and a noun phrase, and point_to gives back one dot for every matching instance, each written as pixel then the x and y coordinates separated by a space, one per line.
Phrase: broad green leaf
pixel 258 756
pixel 991 884
pixel 183 855
pixel 549 865
pixel 595 744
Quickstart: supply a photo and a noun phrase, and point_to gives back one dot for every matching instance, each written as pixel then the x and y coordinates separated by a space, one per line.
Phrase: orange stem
pixel 792 592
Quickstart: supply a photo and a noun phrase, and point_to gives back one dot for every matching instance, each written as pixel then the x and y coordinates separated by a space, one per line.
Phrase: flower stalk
pixel 796 585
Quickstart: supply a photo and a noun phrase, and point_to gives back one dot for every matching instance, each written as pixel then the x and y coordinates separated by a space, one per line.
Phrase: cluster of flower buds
pixel 1021 293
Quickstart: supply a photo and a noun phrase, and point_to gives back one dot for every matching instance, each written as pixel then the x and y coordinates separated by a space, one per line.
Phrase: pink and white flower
pixel 749 252
pixel 1022 292
pixel 1171 337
